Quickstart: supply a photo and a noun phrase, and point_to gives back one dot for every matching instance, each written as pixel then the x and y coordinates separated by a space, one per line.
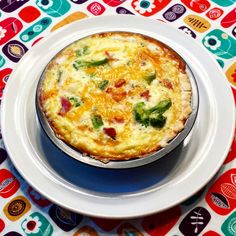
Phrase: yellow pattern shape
pixel 231 74
pixel 197 23
pixel 69 19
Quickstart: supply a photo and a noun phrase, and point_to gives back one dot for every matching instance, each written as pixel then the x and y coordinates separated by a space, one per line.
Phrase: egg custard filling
pixel 116 95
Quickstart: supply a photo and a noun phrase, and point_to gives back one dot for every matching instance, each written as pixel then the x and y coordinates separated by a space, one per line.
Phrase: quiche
pixel 116 95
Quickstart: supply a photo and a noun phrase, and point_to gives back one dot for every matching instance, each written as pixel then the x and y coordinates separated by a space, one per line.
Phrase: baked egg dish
pixel 116 95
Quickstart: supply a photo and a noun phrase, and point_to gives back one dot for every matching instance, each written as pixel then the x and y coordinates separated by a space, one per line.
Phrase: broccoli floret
pixel 103 84
pixel 97 121
pixel 161 107
pixel 149 78
pixel 98 63
pixel 141 115
pixel 157 120
pixel 78 64
pixel 153 116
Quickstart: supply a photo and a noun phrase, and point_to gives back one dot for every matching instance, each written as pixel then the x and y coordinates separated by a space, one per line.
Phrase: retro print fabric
pixel 210 212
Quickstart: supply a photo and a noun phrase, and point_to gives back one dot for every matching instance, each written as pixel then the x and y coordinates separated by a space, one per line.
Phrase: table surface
pixel 211 211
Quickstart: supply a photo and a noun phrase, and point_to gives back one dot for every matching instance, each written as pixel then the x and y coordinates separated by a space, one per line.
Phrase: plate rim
pixel 91 213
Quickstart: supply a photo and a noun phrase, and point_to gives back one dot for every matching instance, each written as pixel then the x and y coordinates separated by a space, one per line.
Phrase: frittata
pixel 116 95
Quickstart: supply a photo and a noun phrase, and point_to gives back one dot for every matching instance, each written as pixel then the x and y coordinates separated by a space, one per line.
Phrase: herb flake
pixel 97 121
pixel 82 51
pixel 103 84
pixel 75 101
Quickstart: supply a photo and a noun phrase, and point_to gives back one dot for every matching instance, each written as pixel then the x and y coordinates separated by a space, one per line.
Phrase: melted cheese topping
pixel 105 75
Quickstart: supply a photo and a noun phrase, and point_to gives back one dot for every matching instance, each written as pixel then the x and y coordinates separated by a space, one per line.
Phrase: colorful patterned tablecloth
pixel 211 211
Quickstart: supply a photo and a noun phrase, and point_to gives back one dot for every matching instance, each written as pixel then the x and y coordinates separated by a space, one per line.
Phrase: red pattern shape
pixel 106 224
pixel 4 75
pixel 96 8
pixel 114 3
pixel 198 6
pixel 2 225
pixel 8 183
pixel 229 19
pixel 36 41
pixel 217 196
pixel 38 198
pixel 214 13
pixel 211 233
pixel 158 5
pixel 9 28
pixel 29 14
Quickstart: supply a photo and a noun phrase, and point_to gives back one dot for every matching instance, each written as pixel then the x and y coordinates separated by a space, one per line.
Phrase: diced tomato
pixel 65 106
pixel 118 119
pixel 167 84
pixel 116 95
pixel 119 96
pixel 120 83
pixel 145 95
pixel 110 57
pixel 109 90
pixel 111 132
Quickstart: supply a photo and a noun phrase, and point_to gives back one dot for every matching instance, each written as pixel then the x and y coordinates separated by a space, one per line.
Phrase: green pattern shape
pixel 224 3
pixel 54 8
pixel 45 228
pixel 221 63
pixel 2 61
pixel 229 226
pixel 220 43
pixel 35 29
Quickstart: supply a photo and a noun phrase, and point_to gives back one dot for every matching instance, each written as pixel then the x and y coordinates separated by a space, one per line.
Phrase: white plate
pixel 118 193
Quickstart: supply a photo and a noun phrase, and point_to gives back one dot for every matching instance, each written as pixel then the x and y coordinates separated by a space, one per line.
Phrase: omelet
pixel 116 95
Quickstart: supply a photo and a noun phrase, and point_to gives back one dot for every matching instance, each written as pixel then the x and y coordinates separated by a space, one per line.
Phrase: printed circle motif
pixel 16 207
pixel 145 4
pixel 203 7
pixel 31 225
pixel 25 37
pixel 178 9
pixel 170 15
pixel 212 41
pixel 45 3
pixel 224 36
pixel 37 28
